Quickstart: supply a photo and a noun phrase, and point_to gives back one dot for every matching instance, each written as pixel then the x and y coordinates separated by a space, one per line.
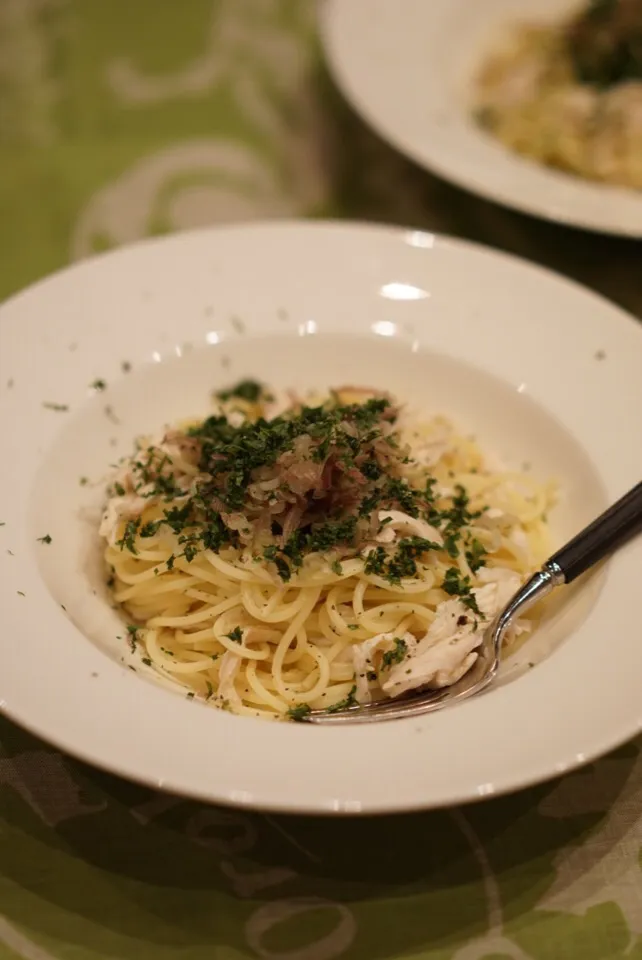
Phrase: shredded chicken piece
pixel 131 504
pixel 118 509
pixel 443 656
pixel 228 670
pixel 447 651
pixel 366 663
pixel 397 522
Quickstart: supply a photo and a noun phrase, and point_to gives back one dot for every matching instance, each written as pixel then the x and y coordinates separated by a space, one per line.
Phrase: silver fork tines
pixel 480 675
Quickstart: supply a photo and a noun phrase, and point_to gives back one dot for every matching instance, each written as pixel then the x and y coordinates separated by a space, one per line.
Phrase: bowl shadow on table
pixel 435 871
pixel 371 181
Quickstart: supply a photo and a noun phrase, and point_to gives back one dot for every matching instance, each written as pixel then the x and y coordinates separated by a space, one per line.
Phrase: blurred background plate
pixel 408 66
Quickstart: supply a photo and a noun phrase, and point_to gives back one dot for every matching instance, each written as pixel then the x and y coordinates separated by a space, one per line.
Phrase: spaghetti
pixel 331 553
pixel 569 95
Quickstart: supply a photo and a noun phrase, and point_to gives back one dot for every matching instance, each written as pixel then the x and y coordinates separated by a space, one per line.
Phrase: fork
pixel 602 537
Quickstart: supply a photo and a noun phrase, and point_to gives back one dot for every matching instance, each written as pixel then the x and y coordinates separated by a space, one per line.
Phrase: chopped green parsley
pixel 401 563
pixel 476 555
pixel 309 481
pixel 250 390
pixel 457 586
pixel 451 544
pixel 396 655
pixel 349 701
pixel 149 529
pixel 128 538
pixel 300 712
pixel 133 636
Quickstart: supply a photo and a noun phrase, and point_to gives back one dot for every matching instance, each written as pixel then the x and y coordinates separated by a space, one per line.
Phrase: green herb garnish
pixel 133 636
pixel 402 563
pixel 376 562
pixel 349 701
pixel 450 544
pixel 272 555
pixel 149 529
pixel 476 555
pixel 250 390
pixel 300 712
pixel 457 586
pixel 128 538
pixel 333 465
pixel 395 655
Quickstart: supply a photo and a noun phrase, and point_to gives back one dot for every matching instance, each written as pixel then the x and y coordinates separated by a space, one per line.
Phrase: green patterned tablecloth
pixel 124 118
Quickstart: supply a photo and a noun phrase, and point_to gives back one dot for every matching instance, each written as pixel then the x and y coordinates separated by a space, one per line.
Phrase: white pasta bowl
pixel 539 369
pixel 409 67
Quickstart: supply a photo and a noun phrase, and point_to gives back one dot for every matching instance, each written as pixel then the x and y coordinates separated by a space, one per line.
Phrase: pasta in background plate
pixel 285 555
pixel 570 94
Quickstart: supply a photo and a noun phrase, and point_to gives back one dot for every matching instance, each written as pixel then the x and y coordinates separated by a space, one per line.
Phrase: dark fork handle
pixel 611 529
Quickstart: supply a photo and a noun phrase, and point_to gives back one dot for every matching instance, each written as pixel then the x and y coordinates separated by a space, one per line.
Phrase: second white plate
pixel 407 66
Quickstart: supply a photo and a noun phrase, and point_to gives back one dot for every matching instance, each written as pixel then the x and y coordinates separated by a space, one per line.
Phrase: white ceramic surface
pixel 544 373
pixel 408 67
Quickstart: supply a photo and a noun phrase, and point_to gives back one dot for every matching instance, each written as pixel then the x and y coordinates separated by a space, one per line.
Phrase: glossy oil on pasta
pixel 309 553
